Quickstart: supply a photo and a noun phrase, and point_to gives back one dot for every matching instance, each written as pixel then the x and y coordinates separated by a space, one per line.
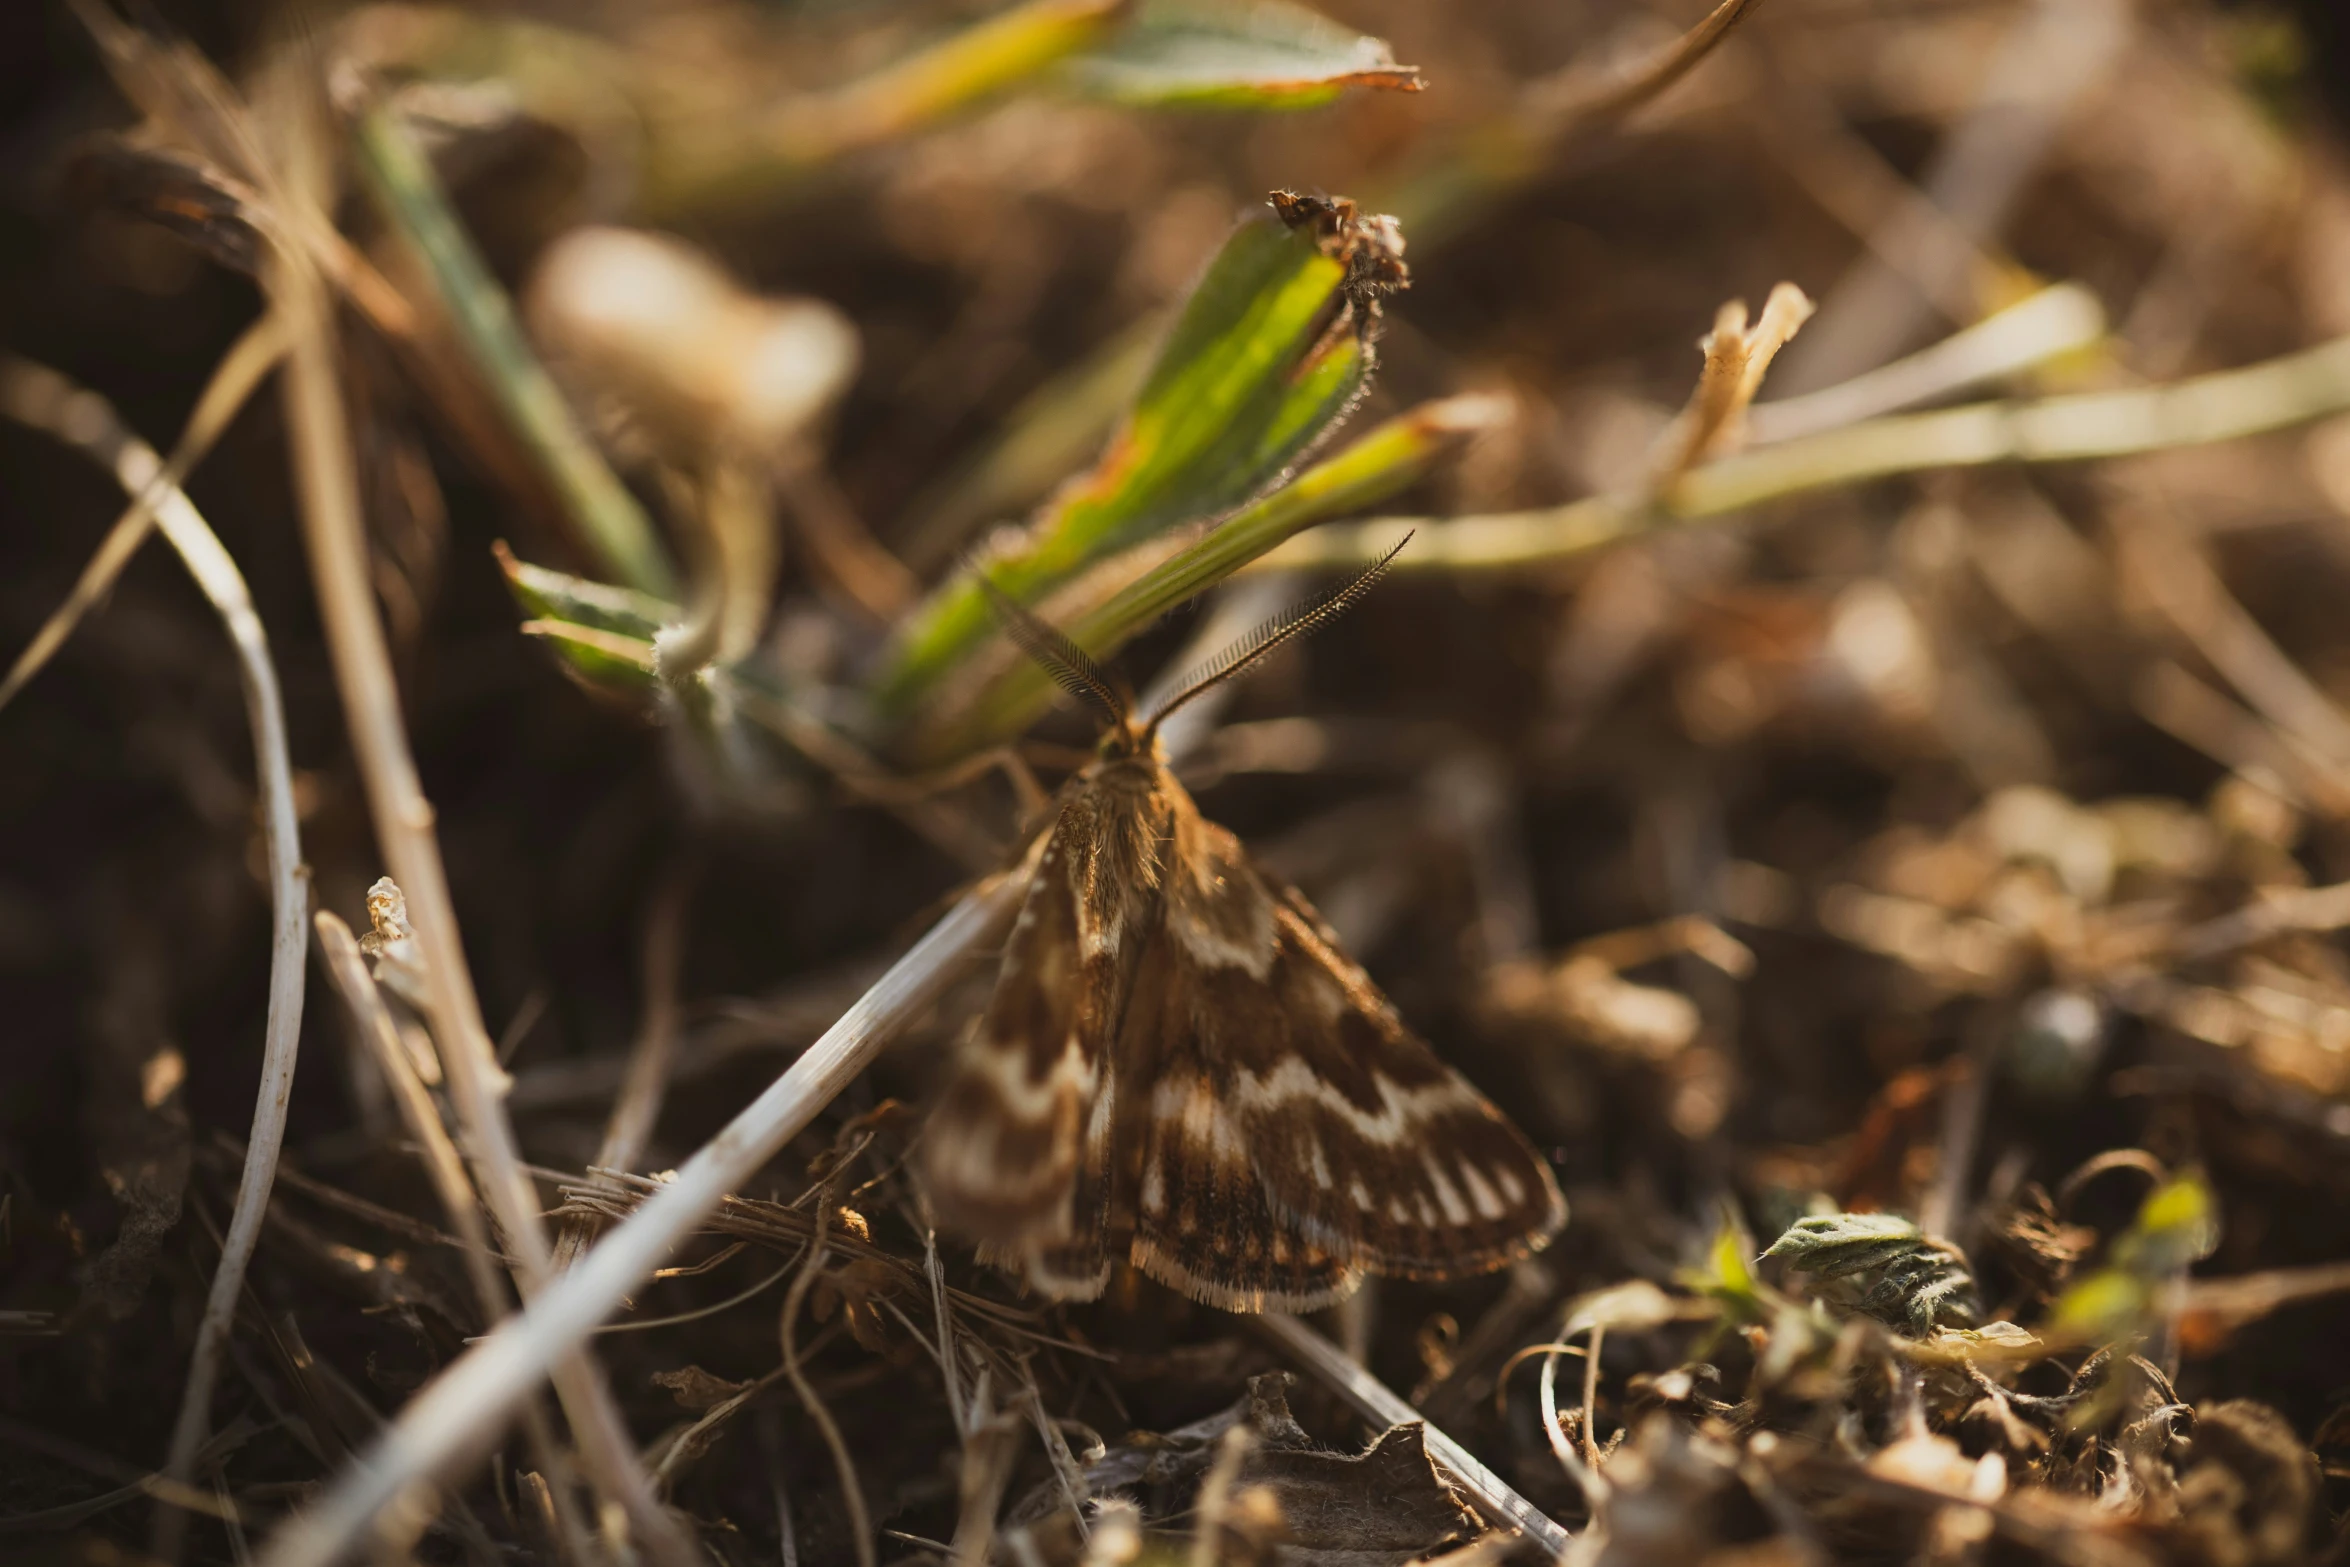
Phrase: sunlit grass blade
pixel 1383 461
pixel 699 160
pixel 1200 54
pixel 1250 377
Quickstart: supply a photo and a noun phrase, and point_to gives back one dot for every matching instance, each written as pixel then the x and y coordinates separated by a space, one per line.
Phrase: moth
pixel 1179 1067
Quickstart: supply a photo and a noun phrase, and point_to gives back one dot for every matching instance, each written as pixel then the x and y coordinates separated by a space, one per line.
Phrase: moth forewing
pixel 1009 1140
pixel 1299 1074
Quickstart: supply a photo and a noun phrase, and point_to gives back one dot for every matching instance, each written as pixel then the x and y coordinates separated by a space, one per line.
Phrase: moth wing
pixel 1277 1059
pixel 1203 1221
pixel 1015 1156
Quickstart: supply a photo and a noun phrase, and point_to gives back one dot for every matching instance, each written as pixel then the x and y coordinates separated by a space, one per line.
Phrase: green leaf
pixel 1198 54
pixel 1249 378
pixel 604 637
pixel 2177 1226
pixel 1894 1271
pixel 1385 460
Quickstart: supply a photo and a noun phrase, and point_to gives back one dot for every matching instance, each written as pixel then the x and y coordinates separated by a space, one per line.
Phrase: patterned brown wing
pixel 1007 1139
pixel 1190 1191
pixel 1283 1084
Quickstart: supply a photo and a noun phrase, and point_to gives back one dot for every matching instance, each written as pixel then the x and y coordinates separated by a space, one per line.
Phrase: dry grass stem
pixel 852 1490
pixel 1910 922
pixel 326 483
pixel 379 1034
pixel 646 1079
pixel 37 396
pixel 1737 356
pixel 2176 576
pixel 2053 54
pixel 2226 405
pixel 1575 99
pixel 2061 319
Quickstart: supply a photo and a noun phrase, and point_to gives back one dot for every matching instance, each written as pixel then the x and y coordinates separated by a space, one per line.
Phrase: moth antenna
pixel 1072 668
pixel 1296 621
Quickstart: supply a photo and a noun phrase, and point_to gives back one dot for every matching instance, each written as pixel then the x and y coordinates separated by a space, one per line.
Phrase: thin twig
pixel 1575 100
pixel 1373 1400
pixel 2246 1298
pixel 949 1376
pixel 47 401
pixel 2206 719
pixel 1215 1496
pixel 1591 1396
pixel 1561 1446
pixel 1962 1134
pixel 2279 910
pixel 451 1419
pixel 1737 356
pixel 2177 575
pixel 769 1426
pixel 867 577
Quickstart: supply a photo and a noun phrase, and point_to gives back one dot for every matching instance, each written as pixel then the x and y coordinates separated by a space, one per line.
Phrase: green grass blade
pixel 1385 460
pixel 1201 54
pixel 1250 377
pixel 699 160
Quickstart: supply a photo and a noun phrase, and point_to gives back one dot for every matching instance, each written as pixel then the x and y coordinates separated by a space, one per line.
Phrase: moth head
pixel 1127 735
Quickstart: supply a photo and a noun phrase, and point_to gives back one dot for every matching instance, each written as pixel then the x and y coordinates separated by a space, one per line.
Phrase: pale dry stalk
pixel 47 401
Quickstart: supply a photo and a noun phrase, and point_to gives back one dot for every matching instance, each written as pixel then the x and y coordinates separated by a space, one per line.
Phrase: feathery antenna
pixel 1295 621
pixel 1072 668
